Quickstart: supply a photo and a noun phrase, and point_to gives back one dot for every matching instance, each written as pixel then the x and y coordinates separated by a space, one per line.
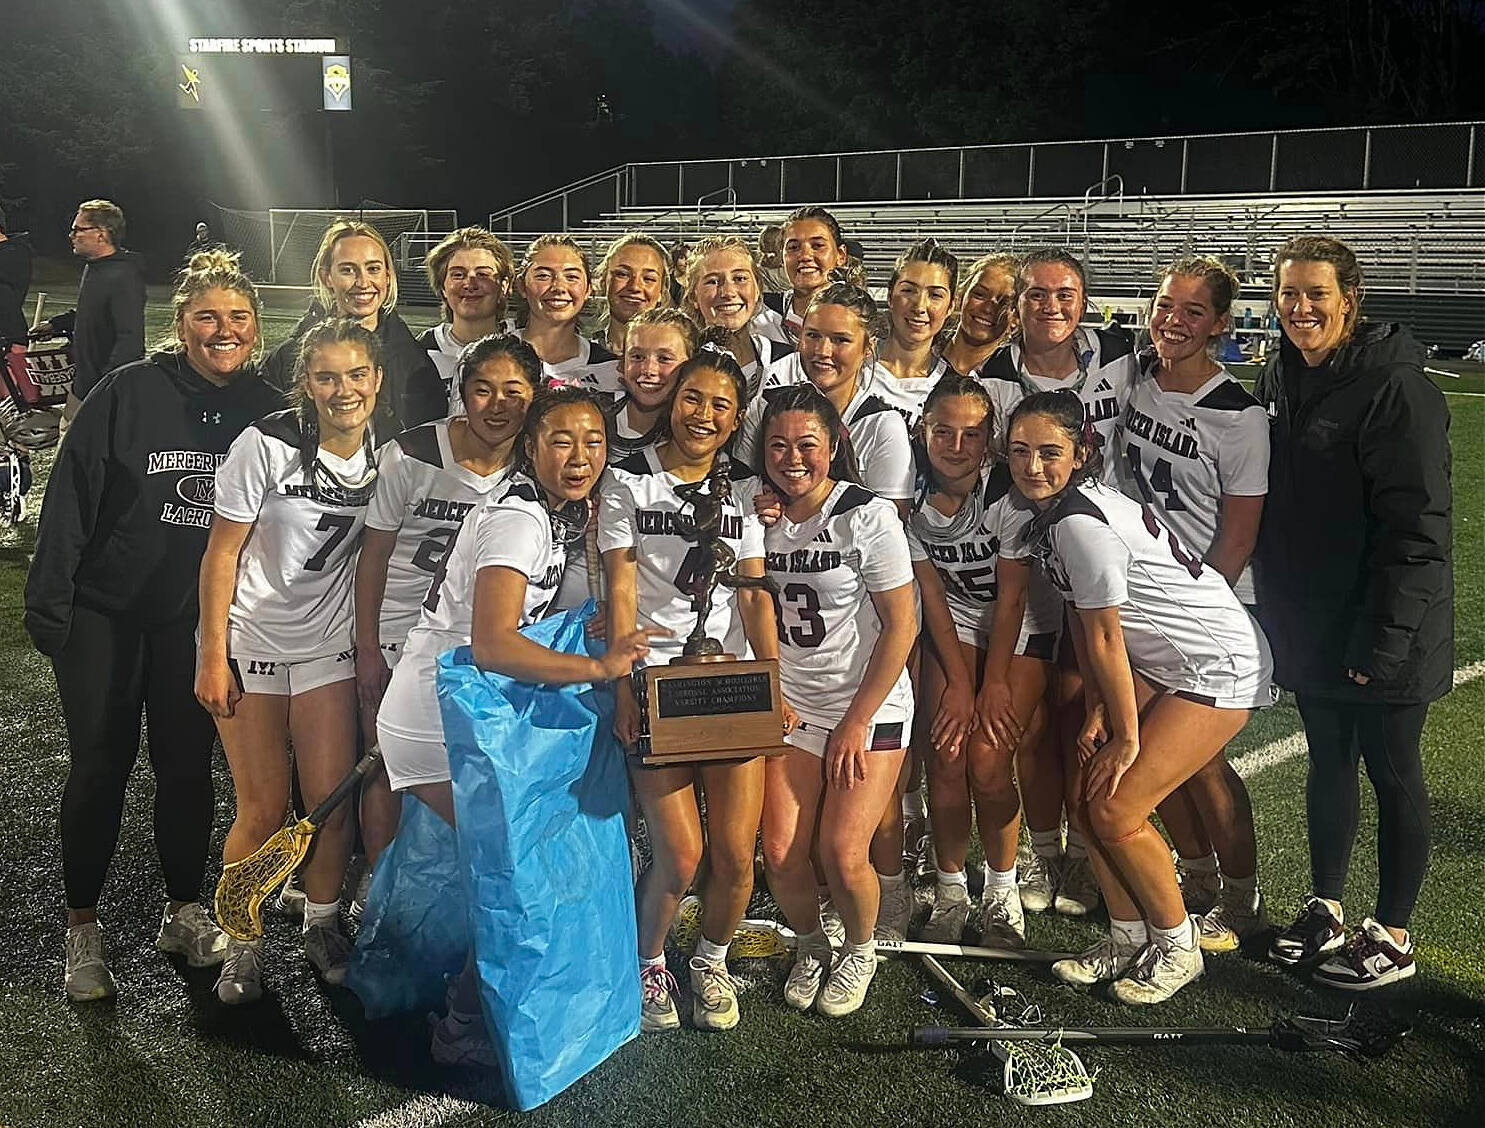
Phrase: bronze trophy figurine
pixel 707 704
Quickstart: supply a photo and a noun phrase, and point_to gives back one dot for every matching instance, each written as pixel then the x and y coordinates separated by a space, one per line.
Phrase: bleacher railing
pixel 1347 159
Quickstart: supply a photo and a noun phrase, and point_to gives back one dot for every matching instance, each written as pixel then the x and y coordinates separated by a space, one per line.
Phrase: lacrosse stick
pixel 763 939
pixel 1034 1074
pixel 1357 1035
pixel 247 881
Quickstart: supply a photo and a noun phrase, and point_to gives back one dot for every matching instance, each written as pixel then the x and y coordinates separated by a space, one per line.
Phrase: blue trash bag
pixel 541 796
pixel 415 930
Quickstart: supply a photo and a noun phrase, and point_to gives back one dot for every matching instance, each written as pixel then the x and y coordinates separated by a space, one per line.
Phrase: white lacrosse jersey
pixel 776 319
pixel 1184 628
pixel 769 352
pixel 826 568
pixel 422 495
pixel 1180 452
pixel 640 509
pixel 905 394
pixel 1105 374
pixel 593 367
pixel 965 551
pixel 293 599
pixel 512 531
pixel 878 436
pixel 624 439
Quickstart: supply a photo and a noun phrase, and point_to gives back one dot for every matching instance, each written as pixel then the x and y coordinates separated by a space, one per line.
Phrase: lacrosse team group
pixel 1030 573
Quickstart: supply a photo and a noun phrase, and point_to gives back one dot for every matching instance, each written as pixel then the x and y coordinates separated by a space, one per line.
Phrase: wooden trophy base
pixel 711 707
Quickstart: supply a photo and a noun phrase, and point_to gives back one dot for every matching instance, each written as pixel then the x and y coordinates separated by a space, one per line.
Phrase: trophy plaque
pixel 707 704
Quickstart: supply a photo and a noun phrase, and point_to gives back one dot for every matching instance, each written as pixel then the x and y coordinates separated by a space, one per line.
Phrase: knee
pixel 259 820
pixel 843 857
pixel 675 865
pixel 784 850
pixel 992 780
pixel 1111 819
pixel 729 864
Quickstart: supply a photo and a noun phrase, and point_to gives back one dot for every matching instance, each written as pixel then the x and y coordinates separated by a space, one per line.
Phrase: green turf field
pixel 165 1053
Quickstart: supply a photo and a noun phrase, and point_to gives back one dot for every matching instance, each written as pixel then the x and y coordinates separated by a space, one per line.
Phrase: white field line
pixel 1276 752
pixel 422 1112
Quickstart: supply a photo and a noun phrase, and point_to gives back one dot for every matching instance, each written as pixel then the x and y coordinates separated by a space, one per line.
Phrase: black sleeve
pixel 1403 447
pixel 425 397
pixel 126 313
pixel 15 280
pixel 277 364
pixel 69 514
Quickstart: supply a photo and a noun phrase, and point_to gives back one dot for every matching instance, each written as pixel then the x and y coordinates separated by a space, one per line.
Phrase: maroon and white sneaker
pixel 1370 958
pixel 1315 932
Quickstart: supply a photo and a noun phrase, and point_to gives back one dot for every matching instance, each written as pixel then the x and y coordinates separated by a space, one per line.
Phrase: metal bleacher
pixel 1410 200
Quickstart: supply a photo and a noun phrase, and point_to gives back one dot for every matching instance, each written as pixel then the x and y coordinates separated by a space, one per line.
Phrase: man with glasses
pixel 109 329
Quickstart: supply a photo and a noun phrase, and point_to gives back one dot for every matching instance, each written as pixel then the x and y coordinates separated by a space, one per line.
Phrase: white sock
pixel 867 948
pixel 946 879
pixel 1047 843
pixel 1128 933
pixel 1204 864
pixel 891 880
pixel 816 941
pixel 711 953
pixel 1076 847
pixel 914 806
pixel 652 961
pixel 325 915
pixel 1241 891
pixel 998 879
pixel 1181 936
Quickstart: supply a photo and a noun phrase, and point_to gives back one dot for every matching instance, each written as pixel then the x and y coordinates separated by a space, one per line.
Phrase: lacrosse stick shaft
pixel 966 951
pixel 352 779
pixel 977 1010
pixel 1103 1035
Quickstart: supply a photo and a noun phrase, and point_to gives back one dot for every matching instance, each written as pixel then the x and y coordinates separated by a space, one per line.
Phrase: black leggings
pixel 1386 737
pixel 107 674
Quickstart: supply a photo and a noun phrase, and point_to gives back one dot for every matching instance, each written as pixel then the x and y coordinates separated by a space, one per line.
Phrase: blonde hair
pixel 107 215
pixel 466 238
pixel 344 228
pixel 214 269
pixel 1322 248
pixel 542 242
pixel 637 239
pixel 711 245
pixel 670 318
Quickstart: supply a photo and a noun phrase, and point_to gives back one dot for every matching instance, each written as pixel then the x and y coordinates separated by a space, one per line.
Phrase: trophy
pixel 707 704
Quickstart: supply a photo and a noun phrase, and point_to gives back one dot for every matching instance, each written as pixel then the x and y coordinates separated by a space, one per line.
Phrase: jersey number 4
pixel 799 602
pixel 339 526
pixel 1159 480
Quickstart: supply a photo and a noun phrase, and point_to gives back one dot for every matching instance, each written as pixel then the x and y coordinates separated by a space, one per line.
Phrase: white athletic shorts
pixel 885 736
pixel 409 727
pixel 278 678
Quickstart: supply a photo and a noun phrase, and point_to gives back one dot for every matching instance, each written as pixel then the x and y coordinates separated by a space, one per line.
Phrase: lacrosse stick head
pixel 1036 1073
pixel 753 939
pixel 1362 1034
pixel 246 882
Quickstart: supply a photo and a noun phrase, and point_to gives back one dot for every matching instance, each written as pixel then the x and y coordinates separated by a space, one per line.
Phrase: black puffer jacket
pixel 1354 564
pixel 412 390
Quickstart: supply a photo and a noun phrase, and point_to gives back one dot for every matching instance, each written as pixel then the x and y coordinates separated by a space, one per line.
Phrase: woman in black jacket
pixel 111 600
pixel 353 276
pixel 1356 592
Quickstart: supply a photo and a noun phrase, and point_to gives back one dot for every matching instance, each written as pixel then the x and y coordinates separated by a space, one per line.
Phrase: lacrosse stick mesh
pixel 1040 1073
pixel 246 882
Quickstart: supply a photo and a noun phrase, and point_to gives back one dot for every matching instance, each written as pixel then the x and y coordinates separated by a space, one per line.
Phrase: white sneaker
pixel 1159 973
pixel 1199 891
pixel 803 985
pixel 845 990
pixel 1370 958
pixel 87 976
pixel 241 980
pixel 1105 960
pixel 713 996
pixel 290 899
pixel 461 1039
pixel 1037 875
pixel 193 934
pixel 326 947
pixel 1002 923
pixel 894 913
pixel 357 907
pixel 657 999
pixel 1077 892
pixel 1234 921
pixel 946 921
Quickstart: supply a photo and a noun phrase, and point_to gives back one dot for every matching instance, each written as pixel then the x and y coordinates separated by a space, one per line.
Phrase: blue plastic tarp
pixel 541 795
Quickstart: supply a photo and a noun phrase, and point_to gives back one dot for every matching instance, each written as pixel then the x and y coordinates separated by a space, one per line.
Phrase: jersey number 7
pixel 338 525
